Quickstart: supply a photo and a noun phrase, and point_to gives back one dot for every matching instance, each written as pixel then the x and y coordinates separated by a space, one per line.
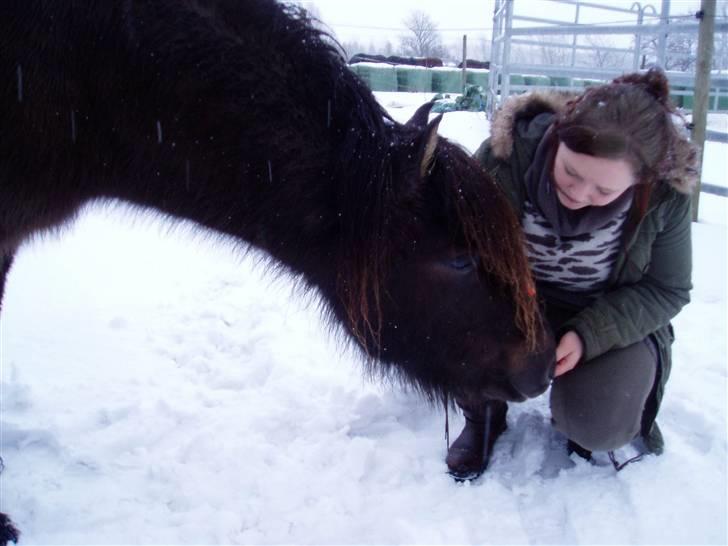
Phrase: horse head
pixel 442 295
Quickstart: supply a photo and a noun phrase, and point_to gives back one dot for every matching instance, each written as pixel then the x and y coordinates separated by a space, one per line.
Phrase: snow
pixel 160 387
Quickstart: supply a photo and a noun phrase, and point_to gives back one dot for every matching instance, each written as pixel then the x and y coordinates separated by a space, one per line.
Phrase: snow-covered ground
pixel 158 387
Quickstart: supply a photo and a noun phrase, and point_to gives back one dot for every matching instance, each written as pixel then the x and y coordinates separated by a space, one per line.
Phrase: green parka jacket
pixel 651 279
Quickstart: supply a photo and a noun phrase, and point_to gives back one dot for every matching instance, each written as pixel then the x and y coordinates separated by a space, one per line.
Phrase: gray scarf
pixel 542 194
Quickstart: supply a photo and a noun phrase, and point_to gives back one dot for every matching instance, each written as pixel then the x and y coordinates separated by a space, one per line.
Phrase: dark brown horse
pixel 241 116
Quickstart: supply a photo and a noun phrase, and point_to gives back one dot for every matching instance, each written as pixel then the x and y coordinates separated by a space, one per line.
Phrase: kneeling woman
pixel 601 182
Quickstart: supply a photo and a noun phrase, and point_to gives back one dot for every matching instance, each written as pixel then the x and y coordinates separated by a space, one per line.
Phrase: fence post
pixel 465 61
pixel 702 85
pixel 495 59
pixel 662 38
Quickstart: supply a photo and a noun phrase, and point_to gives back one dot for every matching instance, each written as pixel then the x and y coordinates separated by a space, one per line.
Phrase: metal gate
pixel 511 29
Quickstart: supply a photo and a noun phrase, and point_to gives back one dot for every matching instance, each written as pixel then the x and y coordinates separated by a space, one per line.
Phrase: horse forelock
pixel 491 231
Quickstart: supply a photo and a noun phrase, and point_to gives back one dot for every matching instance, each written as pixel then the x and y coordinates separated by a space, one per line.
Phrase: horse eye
pixel 463 262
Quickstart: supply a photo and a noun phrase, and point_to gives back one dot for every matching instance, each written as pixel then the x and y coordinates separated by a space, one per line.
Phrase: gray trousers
pixel 599 403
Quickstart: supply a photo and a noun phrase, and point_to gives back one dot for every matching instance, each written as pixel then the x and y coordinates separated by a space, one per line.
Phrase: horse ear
pixel 430 138
pixel 420 117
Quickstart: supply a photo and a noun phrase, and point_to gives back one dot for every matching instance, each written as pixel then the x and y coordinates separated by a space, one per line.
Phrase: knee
pixel 592 427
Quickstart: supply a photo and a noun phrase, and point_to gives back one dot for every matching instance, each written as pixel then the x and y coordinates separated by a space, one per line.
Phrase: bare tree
pixel 602 56
pixel 553 55
pixel 423 39
pixel 680 50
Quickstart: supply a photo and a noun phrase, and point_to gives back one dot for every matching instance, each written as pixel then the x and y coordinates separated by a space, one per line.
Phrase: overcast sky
pixel 381 20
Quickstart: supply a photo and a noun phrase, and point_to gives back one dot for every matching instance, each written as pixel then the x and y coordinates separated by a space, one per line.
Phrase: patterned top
pixel 581 263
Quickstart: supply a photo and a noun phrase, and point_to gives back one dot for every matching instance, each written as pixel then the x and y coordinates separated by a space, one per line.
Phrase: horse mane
pixel 492 232
pixel 362 133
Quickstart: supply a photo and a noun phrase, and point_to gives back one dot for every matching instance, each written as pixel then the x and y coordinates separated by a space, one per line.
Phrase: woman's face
pixel 586 181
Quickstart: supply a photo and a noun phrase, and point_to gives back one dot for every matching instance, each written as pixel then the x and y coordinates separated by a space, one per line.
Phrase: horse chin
pixel 506 393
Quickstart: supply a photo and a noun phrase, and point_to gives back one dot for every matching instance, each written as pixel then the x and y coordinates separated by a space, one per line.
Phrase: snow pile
pixel 157 388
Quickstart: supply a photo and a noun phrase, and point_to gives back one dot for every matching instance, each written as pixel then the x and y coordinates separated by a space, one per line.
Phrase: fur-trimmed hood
pixel 683 175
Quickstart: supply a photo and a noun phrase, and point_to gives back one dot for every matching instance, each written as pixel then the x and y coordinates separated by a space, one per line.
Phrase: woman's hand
pixel 568 353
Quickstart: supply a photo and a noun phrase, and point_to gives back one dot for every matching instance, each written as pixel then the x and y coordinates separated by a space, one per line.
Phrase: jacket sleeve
pixel 629 313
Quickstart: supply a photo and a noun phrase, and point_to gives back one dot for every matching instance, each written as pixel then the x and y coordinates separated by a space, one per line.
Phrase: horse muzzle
pixel 535 377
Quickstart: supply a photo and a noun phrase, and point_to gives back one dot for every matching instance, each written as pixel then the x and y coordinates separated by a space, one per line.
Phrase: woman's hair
pixel 631 118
